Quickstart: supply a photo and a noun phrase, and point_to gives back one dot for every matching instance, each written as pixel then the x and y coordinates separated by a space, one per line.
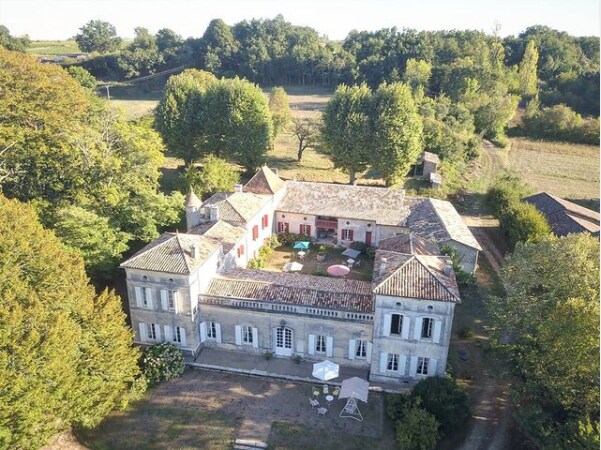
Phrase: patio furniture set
pixel 329 398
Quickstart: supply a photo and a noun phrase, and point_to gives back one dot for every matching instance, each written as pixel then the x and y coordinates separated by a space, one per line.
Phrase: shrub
pixel 445 400
pixel 559 122
pixel 418 430
pixel 396 405
pixel 288 239
pixel 268 356
pixel 524 223
pixel 506 190
pixel 162 362
pixel 358 245
pixel 463 278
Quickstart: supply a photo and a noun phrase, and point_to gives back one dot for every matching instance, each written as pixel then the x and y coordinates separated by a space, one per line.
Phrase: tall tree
pixel 280 109
pixel 67 354
pixel 98 36
pixel 528 71
pixel 214 175
pixel 9 42
pixel 306 131
pixel 397 132
pixel 417 73
pixel 346 132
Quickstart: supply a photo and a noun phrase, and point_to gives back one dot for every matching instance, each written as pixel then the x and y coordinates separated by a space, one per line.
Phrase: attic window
pixel 430 308
pixel 398 304
pixel 304 218
pixel 347 222
pixel 145 277
pixel 283 216
pixel 369 225
pixel 171 279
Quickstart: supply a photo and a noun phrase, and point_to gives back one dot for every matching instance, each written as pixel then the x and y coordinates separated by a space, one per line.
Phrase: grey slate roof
pixel 438 220
pixel 415 276
pixel 430 157
pixel 237 206
pixel 297 289
pixel 410 244
pixel 192 199
pixel 265 181
pixel 564 216
pixel 173 253
pixel 226 233
pixel 382 205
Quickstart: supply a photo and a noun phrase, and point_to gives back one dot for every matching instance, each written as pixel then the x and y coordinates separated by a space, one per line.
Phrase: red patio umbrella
pixel 338 270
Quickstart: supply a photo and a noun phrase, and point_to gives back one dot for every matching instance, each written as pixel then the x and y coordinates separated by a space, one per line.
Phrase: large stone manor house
pixel 194 289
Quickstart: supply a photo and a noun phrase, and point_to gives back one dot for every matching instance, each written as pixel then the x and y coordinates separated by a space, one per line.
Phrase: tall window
pixel 283 227
pixel 427 324
pixel 247 334
pixel 151 331
pixel 396 324
pixel 347 234
pixel 147 297
pixel 320 344
pixel 305 229
pixel 171 299
pixel 211 330
pixel 361 351
pixel 393 362
pixel 422 366
pixel 177 335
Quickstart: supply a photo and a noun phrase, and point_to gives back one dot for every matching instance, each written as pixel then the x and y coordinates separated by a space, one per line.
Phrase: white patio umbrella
pixel 292 267
pixel 325 370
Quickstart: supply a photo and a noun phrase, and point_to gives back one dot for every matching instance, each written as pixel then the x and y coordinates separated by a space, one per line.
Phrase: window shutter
pixel 255 338
pixel 351 349
pixel 218 332
pixel 387 322
pixel 164 303
pixel 148 292
pixel 402 365
pixel 350 234
pixel 176 301
pixel 432 367
pixel 311 344
pixel 157 329
pixel 143 334
pixel 308 227
pixel 275 338
pixel 383 362
pixel 287 227
pixel 413 367
pixel 182 333
pixel 168 335
pixel 255 232
pixel 139 298
pixel 405 329
pixel 417 332
pixel 329 345
pixel 437 330
pixel 203 331
pixel 368 351
pixel 238 335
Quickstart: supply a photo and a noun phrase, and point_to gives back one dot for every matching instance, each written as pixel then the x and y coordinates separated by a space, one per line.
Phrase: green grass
pixel 49 48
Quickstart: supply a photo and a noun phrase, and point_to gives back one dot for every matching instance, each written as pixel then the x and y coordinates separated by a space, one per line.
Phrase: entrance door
pixel 368 238
pixel 283 341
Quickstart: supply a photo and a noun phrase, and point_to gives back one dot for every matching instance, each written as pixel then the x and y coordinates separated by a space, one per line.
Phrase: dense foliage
pixel 280 109
pixel 306 131
pixel 97 36
pixel 212 176
pixel 66 352
pixel 67 151
pixel 85 78
pixel 162 362
pixel 548 326
pixel 18 44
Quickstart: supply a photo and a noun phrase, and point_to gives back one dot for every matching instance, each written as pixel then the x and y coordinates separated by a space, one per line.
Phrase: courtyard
pixel 210 410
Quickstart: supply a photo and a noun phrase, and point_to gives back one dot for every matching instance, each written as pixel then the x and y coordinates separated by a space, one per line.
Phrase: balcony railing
pixel 327 224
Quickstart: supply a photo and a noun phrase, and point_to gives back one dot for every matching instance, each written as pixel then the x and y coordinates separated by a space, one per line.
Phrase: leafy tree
pixel 84 77
pixel 561 123
pixel 217 47
pixel 178 113
pixel 98 36
pixel 346 132
pixel 162 362
pixel 418 430
pixel 214 175
pixel 524 223
pixel 306 131
pixel 397 132
pixel 18 44
pixel 548 326
pixel 417 73
pixel 527 71
pixel 67 353
pixel 142 56
pixel 167 39
pixel 506 190
pixel 280 110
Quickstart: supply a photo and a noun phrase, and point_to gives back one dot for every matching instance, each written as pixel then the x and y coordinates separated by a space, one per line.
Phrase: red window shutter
pixel 350 235
pixel 239 254
pixel 264 222
pixel 255 232
pixel 286 227
pixel 308 230
pixel 241 250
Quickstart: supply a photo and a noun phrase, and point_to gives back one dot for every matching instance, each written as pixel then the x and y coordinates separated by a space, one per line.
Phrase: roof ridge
pixel 434 275
pixel 143 252
pixel 183 253
pixel 395 271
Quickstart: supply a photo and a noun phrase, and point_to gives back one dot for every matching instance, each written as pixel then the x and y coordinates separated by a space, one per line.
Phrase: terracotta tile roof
pixel 226 233
pixel 173 253
pixel 415 276
pixel 307 290
pixel 410 244
pixel 563 216
pixel 237 206
pixel 438 221
pixel 382 205
pixel 265 181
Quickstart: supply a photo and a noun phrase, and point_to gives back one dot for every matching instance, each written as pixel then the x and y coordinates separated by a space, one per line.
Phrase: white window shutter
pixel 368 351
pixel 383 362
pixel 164 303
pixel 139 297
pixel 405 329
pixel 148 293
pixel 417 332
pixel 402 364
pixel 255 338
pixel 238 335
pixel 437 329
pixel 218 332
pixel 432 367
pixel 168 335
pixel 329 346
pixel 351 349
pixel 143 332
pixel 182 333
pixel 413 367
pixel 311 344
pixel 176 301
pixel 387 322
pixel 157 329
pixel 203 331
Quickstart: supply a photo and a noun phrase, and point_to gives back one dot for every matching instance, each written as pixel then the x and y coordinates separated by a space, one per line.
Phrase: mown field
pixel 48 48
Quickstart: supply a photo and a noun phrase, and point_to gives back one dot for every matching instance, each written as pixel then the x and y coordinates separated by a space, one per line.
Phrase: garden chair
pixel 322 411
pixel 316 392
pixel 326 389
pixel 314 403
pixel 336 391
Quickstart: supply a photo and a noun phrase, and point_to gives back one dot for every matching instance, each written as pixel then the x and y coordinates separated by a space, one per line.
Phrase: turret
pixel 193 205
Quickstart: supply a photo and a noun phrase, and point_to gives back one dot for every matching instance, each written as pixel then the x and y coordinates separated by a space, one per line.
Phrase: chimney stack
pixel 238 188
pixel 383 264
pixel 448 268
pixel 213 213
pixel 195 250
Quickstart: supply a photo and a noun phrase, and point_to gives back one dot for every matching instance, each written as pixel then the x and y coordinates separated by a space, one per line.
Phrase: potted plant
pixel 321 255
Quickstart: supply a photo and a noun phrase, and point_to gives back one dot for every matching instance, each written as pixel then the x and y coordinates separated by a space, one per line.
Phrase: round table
pixel 329 399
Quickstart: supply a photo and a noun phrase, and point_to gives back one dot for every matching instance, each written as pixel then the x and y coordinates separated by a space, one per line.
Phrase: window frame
pixel 427 327
pixel 361 349
pixel 320 343
pixel 171 300
pixel 393 362
pixel 151 332
pixel 247 335
pixel 211 330
pixel 423 364
pixel 399 324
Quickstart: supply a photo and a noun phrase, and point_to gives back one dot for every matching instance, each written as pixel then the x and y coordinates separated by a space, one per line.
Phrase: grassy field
pixel 49 48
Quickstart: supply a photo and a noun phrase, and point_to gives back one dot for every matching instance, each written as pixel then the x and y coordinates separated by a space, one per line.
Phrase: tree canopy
pixel 67 354
pixel 97 36
pixel 10 42
pixel 280 109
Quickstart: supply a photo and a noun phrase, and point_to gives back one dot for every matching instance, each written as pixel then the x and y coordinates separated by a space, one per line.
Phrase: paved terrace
pixel 279 368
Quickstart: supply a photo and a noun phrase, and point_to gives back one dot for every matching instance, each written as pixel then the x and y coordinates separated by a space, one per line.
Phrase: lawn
pixel 50 48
